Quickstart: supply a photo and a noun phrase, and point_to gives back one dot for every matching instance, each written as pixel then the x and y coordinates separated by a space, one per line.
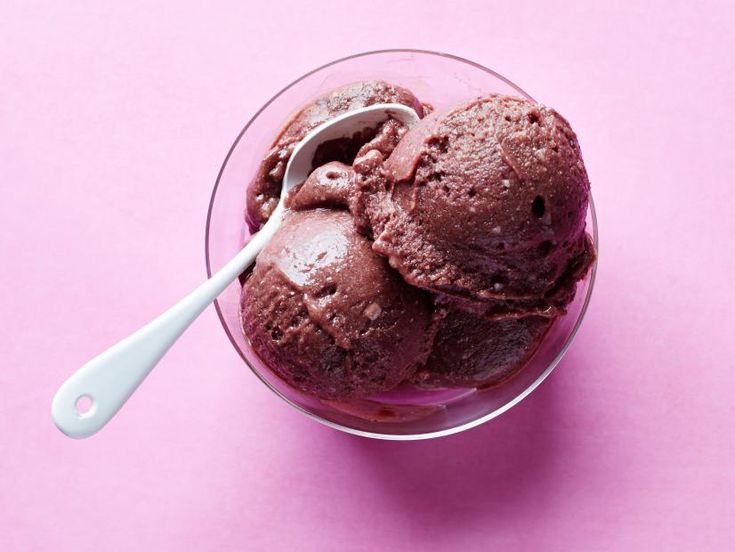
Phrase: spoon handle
pixel 95 392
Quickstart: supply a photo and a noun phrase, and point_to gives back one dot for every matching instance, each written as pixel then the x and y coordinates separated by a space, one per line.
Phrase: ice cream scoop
pixel 93 394
pixel 474 351
pixel 487 204
pixel 327 313
pixel 265 189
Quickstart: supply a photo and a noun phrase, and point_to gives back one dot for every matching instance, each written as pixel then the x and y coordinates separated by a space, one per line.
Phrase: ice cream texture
pixel 437 256
pixel 328 314
pixel 265 189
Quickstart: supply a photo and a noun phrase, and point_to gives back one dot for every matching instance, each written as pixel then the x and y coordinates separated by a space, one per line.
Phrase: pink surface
pixel 113 124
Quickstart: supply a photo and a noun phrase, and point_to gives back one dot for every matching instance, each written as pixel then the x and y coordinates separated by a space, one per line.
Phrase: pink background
pixel 113 124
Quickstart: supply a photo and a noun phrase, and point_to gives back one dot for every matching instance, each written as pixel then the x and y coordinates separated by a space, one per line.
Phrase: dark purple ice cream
pixel 438 256
pixel 488 203
pixel 265 190
pixel 328 314
pixel 470 351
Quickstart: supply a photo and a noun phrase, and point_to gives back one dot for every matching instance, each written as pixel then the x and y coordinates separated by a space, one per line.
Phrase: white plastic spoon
pixel 93 394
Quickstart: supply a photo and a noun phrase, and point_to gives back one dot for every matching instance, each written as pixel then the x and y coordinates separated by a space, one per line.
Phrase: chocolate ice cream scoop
pixel 328 314
pixel 264 192
pixel 488 203
pixel 471 351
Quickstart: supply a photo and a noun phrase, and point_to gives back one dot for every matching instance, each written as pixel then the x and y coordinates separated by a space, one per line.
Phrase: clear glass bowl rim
pixel 384 436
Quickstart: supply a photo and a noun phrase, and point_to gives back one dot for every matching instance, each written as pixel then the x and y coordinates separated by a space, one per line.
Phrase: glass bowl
pixel 405 413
